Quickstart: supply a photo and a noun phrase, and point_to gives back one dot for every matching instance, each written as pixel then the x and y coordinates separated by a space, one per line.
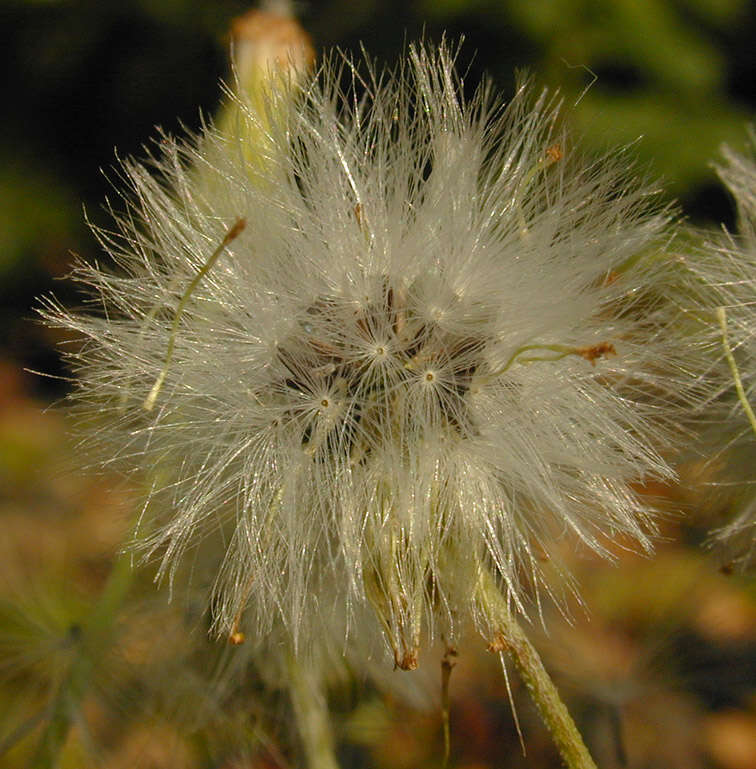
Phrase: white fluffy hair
pixel 443 342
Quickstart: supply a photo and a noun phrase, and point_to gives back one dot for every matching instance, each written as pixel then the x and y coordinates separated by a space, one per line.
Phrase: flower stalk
pixel 509 638
pixel 446 668
pixel 311 712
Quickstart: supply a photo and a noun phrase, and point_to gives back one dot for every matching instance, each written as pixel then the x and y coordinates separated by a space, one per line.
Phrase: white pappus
pixel 407 338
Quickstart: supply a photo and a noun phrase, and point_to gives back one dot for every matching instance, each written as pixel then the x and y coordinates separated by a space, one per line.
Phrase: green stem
pixel 510 638
pixel 311 712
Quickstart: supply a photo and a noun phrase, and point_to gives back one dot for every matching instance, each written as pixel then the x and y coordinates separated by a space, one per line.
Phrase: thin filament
pixel 722 318
pixel 232 234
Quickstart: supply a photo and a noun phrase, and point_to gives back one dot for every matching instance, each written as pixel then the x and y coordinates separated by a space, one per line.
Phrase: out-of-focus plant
pixel 726 265
pixel 650 70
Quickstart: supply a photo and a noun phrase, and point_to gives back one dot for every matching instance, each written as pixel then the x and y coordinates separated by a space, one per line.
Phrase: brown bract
pixel 261 37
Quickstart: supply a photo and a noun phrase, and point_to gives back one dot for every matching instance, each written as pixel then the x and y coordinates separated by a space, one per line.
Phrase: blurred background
pixel 661 667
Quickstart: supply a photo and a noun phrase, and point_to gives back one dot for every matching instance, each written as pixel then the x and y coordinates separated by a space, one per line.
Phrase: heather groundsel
pixel 384 346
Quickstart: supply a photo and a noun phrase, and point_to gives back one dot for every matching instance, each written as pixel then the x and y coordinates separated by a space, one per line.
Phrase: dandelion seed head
pixel 411 364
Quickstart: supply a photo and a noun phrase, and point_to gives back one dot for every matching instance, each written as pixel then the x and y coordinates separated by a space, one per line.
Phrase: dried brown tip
pixel 539 552
pixel 236 638
pixel 592 354
pixel 269 37
pixel 406 661
pixel 498 643
pixel 554 153
pixel 235 231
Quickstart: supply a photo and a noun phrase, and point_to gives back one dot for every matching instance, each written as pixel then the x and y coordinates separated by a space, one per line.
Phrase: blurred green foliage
pixel 660 70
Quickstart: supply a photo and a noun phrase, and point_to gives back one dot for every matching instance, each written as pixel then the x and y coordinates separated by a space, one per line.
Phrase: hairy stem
pixel 311 712
pixel 509 638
